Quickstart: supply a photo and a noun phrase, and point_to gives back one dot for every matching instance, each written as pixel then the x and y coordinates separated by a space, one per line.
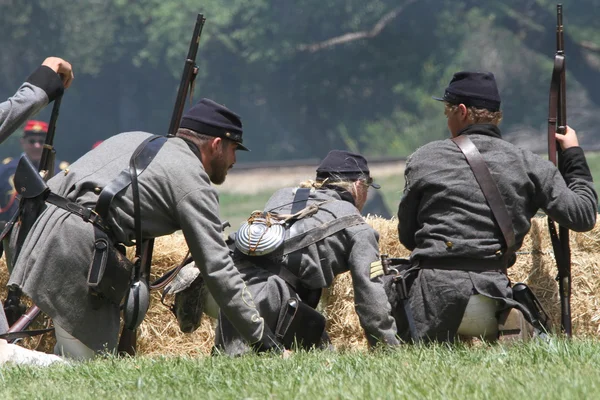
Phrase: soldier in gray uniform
pixel 175 193
pixel 340 192
pixel 45 84
pixel 445 220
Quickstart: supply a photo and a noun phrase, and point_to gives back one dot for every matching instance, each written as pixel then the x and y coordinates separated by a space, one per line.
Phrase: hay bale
pixel 159 334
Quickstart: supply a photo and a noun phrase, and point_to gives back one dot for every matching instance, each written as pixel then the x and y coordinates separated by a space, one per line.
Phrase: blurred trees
pixel 305 75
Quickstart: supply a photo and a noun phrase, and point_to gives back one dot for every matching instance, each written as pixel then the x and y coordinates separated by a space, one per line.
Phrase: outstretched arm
pixel 46 83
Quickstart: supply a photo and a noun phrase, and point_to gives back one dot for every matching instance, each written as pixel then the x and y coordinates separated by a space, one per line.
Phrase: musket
pixel 29 213
pixel 557 123
pixel 48 153
pixel 190 70
pixel 128 339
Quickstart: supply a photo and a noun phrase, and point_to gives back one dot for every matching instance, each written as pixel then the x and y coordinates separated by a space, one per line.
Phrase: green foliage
pixel 300 93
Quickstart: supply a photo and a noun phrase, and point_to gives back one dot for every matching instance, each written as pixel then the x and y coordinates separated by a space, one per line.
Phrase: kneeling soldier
pixel 290 252
pixel 461 245
pixel 134 186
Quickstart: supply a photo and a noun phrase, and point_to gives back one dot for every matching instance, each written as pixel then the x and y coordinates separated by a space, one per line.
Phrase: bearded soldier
pixel 458 246
pixel 57 266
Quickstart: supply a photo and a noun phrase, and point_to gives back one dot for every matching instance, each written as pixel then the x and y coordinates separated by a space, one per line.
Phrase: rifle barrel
pixel 560 43
pixel 186 78
pixel 25 320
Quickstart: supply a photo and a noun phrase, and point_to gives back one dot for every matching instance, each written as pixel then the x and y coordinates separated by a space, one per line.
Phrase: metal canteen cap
pixel 257 238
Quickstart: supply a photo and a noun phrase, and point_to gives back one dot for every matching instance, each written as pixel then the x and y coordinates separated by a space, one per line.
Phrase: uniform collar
pixel 342 193
pixel 481 129
pixel 192 147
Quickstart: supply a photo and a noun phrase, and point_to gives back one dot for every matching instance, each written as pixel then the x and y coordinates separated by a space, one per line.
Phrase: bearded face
pixel 222 161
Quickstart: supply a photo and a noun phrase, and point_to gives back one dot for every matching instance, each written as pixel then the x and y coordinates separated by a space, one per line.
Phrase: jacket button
pixel 449 244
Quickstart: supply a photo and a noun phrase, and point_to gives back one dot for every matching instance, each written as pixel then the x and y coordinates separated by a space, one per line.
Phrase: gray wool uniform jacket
pixel 175 194
pixel 40 88
pixel 351 249
pixel 444 215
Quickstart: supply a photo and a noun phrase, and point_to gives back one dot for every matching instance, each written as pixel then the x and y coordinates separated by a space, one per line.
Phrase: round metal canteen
pixel 257 238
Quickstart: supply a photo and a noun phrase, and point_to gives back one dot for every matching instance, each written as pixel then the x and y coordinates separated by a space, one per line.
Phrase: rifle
pixel 128 338
pixel 31 209
pixel 557 123
pixel 188 77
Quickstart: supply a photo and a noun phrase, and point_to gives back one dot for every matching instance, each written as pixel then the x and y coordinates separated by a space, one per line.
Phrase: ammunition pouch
pixel 110 271
pixel 28 182
pixel 535 315
pixel 33 191
pixel 300 325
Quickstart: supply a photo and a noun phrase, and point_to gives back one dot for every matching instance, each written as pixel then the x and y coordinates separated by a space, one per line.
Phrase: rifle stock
pixel 557 123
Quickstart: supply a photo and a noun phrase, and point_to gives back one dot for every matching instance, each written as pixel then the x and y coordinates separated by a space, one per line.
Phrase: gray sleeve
pixel 41 87
pixel 408 209
pixel 201 226
pixel 573 205
pixel 28 100
pixel 370 299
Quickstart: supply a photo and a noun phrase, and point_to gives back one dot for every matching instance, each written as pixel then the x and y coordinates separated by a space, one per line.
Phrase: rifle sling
pixel 490 191
pixel 320 232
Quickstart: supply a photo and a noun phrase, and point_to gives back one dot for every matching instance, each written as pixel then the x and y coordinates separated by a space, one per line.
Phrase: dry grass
pixel 159 334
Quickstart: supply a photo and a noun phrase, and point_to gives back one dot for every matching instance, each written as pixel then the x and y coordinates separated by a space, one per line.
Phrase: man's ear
pixel 215 144
pixel 462 110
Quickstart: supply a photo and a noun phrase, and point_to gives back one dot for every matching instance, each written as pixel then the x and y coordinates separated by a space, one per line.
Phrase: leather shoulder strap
pixel 490 190
pixel 300 199
pixel 320 232
pixel 142 157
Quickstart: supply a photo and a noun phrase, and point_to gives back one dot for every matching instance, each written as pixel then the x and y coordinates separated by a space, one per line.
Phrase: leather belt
pixel 463 264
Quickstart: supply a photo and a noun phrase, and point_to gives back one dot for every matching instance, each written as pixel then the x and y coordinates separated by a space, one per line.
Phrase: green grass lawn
pixel 556 370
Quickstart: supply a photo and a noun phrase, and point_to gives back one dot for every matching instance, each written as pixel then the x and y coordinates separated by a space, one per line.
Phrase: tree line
pixel 305 75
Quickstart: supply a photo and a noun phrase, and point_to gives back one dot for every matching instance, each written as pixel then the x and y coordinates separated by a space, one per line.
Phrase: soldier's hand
pixel 62 68
pixel 569 139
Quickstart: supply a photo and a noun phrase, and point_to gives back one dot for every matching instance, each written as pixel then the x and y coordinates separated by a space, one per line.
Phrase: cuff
pixel 575 165
pixel 48 80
